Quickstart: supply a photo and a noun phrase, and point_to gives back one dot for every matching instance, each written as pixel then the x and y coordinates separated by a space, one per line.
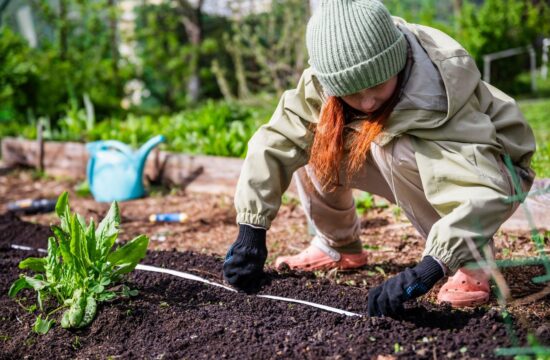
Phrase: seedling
pixel 83 189
pixel 290 200
pixel 164 304
pixel 81 268
pixel 381 271
pixel 366 202
pixel 397 348
pixel 76 343
pixel 396 212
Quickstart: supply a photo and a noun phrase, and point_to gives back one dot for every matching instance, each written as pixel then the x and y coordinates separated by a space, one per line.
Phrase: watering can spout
pixel 146 148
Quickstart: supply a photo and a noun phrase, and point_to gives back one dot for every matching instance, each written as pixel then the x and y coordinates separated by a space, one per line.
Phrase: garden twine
pixel 192 277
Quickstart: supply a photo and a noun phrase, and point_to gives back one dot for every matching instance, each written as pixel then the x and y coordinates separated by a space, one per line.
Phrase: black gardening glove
pixel 244 263
pixel 388 298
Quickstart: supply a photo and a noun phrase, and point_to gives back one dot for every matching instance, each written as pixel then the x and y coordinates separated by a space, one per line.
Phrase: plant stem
pixel 55 310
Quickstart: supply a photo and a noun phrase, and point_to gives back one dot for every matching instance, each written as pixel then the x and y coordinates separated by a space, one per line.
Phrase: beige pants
pixel 390 171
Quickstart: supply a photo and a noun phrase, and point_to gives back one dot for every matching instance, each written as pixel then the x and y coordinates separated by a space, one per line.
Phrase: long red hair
pixel 328 152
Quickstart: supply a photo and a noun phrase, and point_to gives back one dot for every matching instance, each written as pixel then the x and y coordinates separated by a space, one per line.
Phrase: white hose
pixel 202 280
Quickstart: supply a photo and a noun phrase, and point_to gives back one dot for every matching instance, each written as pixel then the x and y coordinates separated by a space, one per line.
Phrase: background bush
pixel 238 65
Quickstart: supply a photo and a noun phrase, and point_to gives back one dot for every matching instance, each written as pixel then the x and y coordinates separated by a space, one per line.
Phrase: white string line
pixel 202 280
pixel 181 275
pixel 27 248
pixel 319 306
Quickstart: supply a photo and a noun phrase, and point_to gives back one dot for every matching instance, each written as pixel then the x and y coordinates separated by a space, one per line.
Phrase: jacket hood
pixel 458 72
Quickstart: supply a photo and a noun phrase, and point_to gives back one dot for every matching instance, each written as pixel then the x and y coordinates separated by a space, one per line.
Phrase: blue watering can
pixel 115 171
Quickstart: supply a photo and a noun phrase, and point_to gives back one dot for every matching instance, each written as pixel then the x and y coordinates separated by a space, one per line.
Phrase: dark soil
pixel 176 318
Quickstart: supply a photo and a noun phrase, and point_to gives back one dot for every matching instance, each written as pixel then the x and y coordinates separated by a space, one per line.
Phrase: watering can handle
pixel 103 145
pixel 117 145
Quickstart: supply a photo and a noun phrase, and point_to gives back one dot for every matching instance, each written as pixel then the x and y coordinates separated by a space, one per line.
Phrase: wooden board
pixel 210 174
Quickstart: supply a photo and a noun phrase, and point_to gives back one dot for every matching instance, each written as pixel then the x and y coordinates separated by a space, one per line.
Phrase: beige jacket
pixel 458 151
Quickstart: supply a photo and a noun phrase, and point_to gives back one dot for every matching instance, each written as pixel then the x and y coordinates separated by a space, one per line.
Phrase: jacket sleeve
pixel 468 186
pixel 275 151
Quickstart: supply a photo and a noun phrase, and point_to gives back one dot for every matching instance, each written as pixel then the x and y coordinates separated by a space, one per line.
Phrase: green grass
pixel 537 113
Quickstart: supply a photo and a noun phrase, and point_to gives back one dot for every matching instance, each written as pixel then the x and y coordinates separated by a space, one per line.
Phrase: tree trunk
pixel 457 7
pixel 63 30
pixel 192 22
pixel 113 36
pixel 222 81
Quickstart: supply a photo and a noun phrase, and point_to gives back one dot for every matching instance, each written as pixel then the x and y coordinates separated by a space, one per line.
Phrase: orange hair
pixel 328 150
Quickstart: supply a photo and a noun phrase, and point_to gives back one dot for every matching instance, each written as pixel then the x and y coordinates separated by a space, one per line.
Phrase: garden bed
pixel 176 318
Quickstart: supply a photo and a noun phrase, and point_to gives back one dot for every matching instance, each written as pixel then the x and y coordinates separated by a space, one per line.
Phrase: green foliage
pixel 397 348
pixel 485 27
pixel 433 13
pixel 366 202
pixel 18 75
pixel 537 112
pixel 169 58
pixel 42 326
pixel 501 24
pixel 214 128
pixel 543 86
pixel 82 189
pixel 77 56
pixel 268 52
pixel 81 268
pixel 396 212
pixel 497 25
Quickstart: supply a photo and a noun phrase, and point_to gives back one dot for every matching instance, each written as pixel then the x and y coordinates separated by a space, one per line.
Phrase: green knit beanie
pixel 354 45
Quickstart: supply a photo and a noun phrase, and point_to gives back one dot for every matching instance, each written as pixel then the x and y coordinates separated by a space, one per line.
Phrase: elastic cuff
pixel 442 264
pixel 451 260
pixel 251 236
pixel 253 226
pixel 429 271
pixel 253 219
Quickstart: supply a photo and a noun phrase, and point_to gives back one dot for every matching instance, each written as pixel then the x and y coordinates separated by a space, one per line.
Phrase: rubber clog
pixel 313 258
pixel 467 288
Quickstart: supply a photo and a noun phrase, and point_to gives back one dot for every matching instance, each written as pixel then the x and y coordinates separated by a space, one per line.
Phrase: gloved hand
pixel 244 263
pixel 388 298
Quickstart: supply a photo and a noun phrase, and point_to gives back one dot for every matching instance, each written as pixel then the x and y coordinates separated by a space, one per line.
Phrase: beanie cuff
pixel 367 74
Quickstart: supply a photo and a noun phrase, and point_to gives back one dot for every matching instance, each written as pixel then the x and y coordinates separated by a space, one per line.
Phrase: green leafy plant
pixel 82 189
pixel 81 269
pixel 366 202
pixel 397 348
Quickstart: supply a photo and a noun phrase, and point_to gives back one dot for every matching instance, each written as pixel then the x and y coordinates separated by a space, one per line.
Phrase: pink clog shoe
pixel 313 258
pixel 465 288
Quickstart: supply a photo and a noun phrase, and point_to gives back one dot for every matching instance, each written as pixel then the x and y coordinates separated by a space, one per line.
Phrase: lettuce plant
pixel 82 267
